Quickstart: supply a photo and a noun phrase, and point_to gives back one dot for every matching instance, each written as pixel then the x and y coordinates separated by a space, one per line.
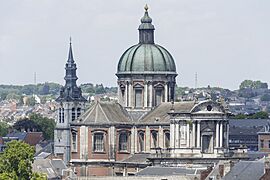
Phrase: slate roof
pixel 246 170
pixel 105 113
pixel 234 130
pixel 160 113
pixel 44 166
pixel 165 171
pixel 248 122
pixel 16 135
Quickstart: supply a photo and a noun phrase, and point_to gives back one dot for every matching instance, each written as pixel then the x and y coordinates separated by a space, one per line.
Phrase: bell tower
pixel 71 106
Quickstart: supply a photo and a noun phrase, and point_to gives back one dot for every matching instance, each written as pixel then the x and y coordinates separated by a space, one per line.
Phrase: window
pixel 63 115
pixel 262 144
pixel 123 141
pixel 73 114
pixel 167 139
pixel 59 115
pixel 74 141
pixel 158 98
pixel 78 112
pixel 154 139
pixel 141 141
pixel 99 142
pixel 138 98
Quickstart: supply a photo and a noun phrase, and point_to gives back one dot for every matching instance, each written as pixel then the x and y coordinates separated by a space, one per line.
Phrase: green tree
pixel 249 84
pixel 46 125
pixel 16 161
pixel 265 97
pixel 3 128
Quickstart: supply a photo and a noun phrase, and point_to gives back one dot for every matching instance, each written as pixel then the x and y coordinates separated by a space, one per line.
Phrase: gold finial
pixel 146 7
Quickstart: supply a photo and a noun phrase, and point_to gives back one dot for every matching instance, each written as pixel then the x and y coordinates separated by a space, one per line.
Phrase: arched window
pixel 141 141
pixel 78 112
pixel 123 141
pixel 154 138
pixel 73 114
pixel 167 139
pixel 98 145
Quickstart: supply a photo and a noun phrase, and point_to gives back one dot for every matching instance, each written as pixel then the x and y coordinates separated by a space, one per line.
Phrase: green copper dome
pixel 146 57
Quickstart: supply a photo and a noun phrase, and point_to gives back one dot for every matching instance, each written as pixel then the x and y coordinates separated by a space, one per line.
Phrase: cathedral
pixel 146 127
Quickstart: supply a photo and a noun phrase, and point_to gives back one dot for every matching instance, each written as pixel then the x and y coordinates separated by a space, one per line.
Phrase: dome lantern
pixel 146 29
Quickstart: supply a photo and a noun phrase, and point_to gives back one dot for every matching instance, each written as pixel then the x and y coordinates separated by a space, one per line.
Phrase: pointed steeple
pixel 70 54
pixel 146 29
pixel 71 92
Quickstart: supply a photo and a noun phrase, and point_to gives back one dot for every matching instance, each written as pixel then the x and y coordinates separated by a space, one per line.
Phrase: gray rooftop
pixel 105 113
pixel 246 170
pixel 165 171
pixel 160 113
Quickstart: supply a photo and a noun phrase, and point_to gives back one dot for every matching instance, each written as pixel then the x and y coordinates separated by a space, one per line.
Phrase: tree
pixel 3 129
pixel 249 84
pixel 46 125
pixel 265 97
pixel 258 115
pixel 16 161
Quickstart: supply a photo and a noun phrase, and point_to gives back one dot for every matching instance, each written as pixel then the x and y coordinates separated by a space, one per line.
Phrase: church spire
pixel 70 54
pixel 146 29
pixel 71 92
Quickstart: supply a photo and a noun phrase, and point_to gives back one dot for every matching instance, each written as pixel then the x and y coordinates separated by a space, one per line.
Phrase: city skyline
pixel 223 42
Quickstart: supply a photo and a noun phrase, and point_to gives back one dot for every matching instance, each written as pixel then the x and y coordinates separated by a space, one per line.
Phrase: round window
pixel 209 108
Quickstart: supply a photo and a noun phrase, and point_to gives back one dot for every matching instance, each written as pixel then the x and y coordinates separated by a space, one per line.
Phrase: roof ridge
pixel 104 113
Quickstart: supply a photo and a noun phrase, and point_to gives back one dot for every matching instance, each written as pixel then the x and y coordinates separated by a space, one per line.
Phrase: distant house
pixel 244 133
pixel 264 138
pixel 31 138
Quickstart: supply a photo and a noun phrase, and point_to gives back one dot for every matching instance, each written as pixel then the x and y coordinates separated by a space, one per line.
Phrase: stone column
pixel 172 135
pixel 147 139
pixel 221 135
pixel 217 134
pixel 135 139
pixel 193 134
pixel 188 139
pixel 126 94
pixel 227 140
pixel 177 139
pixel 199 134
pixel 145 95
pixel 160 137
pixel 119 95
pixel 166 92
pixel 150 95
pixel 132 140
pixel 130 99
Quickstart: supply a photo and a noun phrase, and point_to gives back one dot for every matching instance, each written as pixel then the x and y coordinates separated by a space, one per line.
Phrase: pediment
pixel 208 106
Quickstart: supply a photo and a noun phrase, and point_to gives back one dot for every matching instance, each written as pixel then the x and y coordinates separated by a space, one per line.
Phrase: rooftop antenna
pixel 196 80
pixel 35 83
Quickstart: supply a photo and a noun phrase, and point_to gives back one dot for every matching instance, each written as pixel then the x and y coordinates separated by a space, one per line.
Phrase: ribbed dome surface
pixel 146 59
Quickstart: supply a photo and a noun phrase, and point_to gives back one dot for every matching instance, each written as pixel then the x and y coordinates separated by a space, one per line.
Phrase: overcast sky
pixel 224 41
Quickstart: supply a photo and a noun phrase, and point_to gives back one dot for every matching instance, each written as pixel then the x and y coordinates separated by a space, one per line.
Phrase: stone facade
pixel 146 126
